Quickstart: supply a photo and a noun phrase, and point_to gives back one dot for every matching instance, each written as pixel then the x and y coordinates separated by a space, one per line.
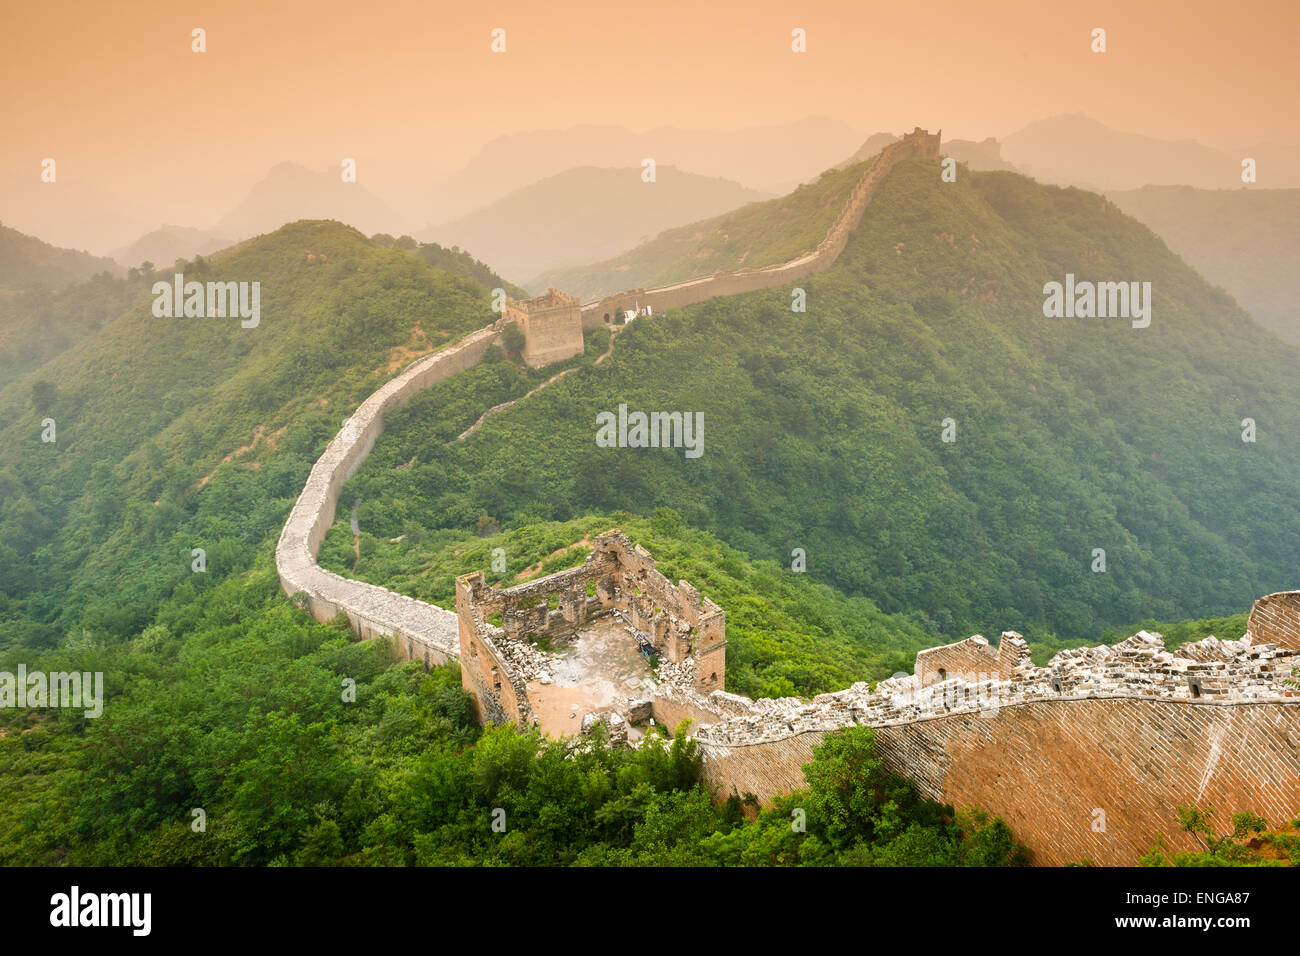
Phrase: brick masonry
pixel 1275 619
pixel 552 326
pixel 1049 767
pixel 1087 758
pixel 683 626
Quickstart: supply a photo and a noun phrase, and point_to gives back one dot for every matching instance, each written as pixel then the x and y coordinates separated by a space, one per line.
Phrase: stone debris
pixel 677 673
pixel 616 727
pixel 640 710
pixel 529 661
pixel 1206 672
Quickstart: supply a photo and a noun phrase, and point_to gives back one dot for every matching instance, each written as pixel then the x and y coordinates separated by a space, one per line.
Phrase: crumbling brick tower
pixel 682 625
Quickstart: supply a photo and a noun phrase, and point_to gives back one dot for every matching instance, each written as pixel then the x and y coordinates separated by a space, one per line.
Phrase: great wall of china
pixel 1085 758
pixel 552 326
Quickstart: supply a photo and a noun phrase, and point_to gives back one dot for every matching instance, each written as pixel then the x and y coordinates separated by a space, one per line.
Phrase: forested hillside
pixel 27 262
pixel 824 430
pixel 176 433
pixel 38 324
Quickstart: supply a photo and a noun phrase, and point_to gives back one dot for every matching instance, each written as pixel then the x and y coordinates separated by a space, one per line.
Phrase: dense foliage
pixel 454 260
pixel 98 526
pixel 36 324
pixel 241 732
pixel 1250 842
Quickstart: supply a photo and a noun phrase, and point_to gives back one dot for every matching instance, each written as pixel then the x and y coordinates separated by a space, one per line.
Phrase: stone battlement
pixel 548 301
pixel 1087 758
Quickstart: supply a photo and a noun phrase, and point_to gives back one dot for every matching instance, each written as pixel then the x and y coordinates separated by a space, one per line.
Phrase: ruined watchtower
pixel 552 326
pixel 626 633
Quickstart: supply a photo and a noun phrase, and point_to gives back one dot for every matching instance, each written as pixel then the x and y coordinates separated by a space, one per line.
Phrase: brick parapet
pixel 1275 619
pixel 1208 672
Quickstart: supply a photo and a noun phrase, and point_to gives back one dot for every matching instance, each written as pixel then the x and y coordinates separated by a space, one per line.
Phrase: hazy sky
pixel 411 89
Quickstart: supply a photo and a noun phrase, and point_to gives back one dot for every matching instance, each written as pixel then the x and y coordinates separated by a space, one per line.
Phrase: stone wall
pixel 1047 768
pixel 917 144
pixel 551 333
pixel 423 631
pixel 677 620
pixel 973 660
pixel 972 656
pixel 671 705
pixel 1131 730
pixel 1275 619
pixel 497 686
pixel 680 622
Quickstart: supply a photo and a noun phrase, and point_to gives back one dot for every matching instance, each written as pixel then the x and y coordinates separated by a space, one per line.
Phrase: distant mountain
pixel 773 159
pixel 584 214
pixel 1077 150
pixel 26 261
pixel 982 156
pixel 874 144
pixel 165 245
pixel 1246 240
pixel 291 192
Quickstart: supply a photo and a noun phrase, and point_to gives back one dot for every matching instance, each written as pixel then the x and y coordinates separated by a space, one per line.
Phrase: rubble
pixel 1205 672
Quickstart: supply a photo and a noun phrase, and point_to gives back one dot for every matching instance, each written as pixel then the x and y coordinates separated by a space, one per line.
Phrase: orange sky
pixel 411 89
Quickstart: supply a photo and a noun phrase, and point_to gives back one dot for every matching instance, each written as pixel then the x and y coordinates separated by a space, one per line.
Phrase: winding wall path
pixel 424 631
